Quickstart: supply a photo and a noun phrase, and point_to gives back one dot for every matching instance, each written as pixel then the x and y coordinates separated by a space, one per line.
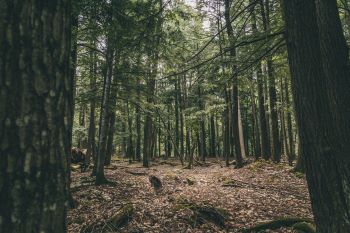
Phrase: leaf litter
pixel 261 191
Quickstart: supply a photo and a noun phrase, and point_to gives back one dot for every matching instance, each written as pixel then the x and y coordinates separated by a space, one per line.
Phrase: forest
pixel 174 116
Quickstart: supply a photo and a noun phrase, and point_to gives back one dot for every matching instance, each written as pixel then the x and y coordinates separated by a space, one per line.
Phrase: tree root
pixel 203 213
pixel 282 222
pixel 304 227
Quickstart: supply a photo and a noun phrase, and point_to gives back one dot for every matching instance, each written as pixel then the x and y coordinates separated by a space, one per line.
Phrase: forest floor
pixel 260 191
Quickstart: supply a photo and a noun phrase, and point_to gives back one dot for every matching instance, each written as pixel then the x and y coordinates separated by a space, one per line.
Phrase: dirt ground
pixel 259 192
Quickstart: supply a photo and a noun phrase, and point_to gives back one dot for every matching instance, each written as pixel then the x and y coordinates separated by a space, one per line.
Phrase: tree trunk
pixel 212 136
pixel 275 138
pixel 289 122
pixel 265 144
pixel 82 121
pixel 177 114
pixel 110 138
pixel 257 148
pixel 240 129
pixel 235 117
pixel 168 141
pixel 103 130
pixel 130 140
pixel 138 122
pixel 181 105
pixel 123 145
pixel 226 130
pixel 35 116
pixel 319 66
pixel 218 141
pixel 91 147
pixel 202 148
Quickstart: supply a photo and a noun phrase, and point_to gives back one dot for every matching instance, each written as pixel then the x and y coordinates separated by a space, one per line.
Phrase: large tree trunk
pixel 35 116
pixel 319 65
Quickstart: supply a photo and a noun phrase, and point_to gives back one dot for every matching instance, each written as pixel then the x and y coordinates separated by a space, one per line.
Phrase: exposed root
pixel 203 213
pixel 304 227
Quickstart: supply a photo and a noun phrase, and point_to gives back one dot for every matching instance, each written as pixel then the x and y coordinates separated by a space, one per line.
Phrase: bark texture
pixel 320 83
pixel 35 115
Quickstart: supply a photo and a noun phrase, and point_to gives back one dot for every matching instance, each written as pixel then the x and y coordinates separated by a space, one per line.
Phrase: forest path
pixel 258 192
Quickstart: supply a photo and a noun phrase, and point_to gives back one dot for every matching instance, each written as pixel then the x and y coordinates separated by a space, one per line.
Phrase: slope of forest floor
pixel 259 192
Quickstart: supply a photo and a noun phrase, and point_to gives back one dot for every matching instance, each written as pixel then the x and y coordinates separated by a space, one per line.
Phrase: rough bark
pixel 320 74
pixel 35 115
